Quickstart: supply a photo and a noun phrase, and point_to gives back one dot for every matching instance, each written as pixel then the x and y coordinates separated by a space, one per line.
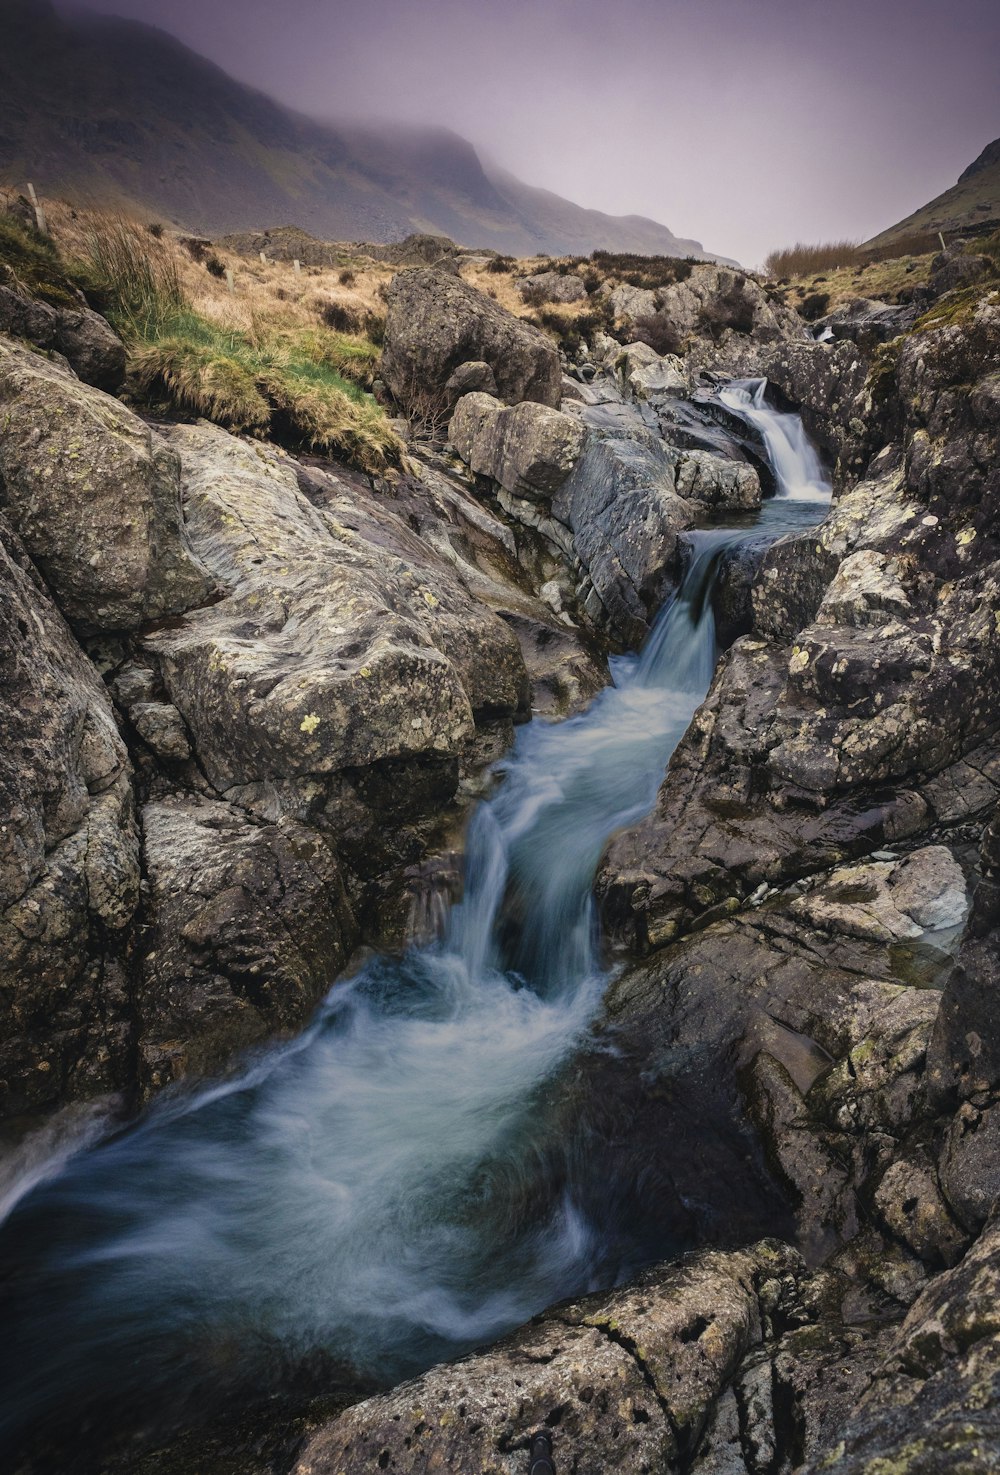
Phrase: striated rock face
pixel 624 1381
pixel 69 857
pixel 95 496
pixel 436 323
pixel 95 353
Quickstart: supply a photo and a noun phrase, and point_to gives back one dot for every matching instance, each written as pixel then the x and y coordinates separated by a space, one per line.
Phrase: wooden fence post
pixel 230 279
pixel 41 223
pixel 263 258
pixel 298 266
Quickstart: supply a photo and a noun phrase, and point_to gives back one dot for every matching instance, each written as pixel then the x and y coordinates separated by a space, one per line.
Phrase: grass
pixel 261 365
pixel 31 265
pixel 801 260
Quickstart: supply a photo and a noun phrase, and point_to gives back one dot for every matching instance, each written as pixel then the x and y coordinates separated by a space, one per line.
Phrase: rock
pixel 868 323
pixel 623 1381
pixel 69 862
pixel 248 927
pixel 829 384
pixel 955 268
pixel 437 322
pixel 552 286
pixel 714 481
pixel 964 1062
pixel 909 1201
pixel 647 375
pixel 888 901
pixel 161 726
pixel 95 353
pixel 471 378
pixel 632 304
pixel 528 449
pixel 326 653
pixel 95 495
pixel 716 316
pixel 969 1166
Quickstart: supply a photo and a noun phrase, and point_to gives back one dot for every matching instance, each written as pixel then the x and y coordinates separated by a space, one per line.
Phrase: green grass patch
pixel 30 263
pixel 281 385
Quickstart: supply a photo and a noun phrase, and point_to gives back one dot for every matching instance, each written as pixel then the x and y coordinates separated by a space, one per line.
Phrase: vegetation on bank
pixel 252 362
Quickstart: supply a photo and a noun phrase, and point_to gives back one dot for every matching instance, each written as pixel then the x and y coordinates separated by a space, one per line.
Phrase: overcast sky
pixel 744 123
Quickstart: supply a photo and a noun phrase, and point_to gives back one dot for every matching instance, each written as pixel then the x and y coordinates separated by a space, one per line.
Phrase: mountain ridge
pixel 102 108
pixel 970 205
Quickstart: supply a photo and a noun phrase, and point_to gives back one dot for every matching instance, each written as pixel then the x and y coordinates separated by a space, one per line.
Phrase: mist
pixel 744 123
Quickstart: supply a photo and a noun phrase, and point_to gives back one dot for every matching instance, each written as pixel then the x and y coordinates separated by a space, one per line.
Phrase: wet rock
pixel 95 496
pixel 95 353
pixel 828 383
pixel 868 323
pixel 248 925
pixel 624 1380
pixel 716 482
pixel 69 863
pixel 888 901
pixel 910 1204
pixel 437 322
pixel 969 1165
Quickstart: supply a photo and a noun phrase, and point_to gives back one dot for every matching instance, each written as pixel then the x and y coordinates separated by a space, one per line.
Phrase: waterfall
pixel 369 1192
pixel 793 458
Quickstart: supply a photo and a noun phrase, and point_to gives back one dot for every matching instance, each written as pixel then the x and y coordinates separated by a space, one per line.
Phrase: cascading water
pixel 368 1192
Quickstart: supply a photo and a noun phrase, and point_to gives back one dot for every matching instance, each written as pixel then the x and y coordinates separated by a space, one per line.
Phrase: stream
pixel 365 1195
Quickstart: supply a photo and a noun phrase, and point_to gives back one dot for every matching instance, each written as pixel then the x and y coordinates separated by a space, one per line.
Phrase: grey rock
pixel 470 378
pixel 95 496
pixel 69 859
pixel 161 726
pixel 248 925
pixel 94 351
pixel 553 286
pixel 437 322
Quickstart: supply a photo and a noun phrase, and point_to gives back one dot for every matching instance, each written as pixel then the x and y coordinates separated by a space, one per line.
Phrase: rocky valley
pixel 499 859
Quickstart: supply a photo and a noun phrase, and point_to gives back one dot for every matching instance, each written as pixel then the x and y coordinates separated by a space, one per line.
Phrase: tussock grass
pixel 131 276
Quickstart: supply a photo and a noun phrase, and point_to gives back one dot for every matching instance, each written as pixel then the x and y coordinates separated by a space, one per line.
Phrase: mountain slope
pixel 102 108
pixel 971 204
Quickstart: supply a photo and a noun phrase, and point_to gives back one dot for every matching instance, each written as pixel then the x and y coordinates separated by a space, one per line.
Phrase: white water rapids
pixel 370 1192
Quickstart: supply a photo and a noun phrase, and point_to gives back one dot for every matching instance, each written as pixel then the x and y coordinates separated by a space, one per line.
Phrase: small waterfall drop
pixel 367 1193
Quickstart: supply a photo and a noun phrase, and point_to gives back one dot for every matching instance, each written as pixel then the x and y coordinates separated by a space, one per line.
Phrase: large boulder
pixel 69 861
pixel 528 449
pixel 95 496
pixel 94 351
pixel 436 322
pixel 552 286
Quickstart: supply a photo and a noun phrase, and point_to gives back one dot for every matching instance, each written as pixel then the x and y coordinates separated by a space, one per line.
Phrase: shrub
pixel 814 306
pixel 534 295
pixel 155 230
pixel 347 278
pixel 801 260
pixel 341 317
pixel 215 267
pixel 662 335
pixel 498 264
pixel 572 331
pixel 374 327
pixel 648 272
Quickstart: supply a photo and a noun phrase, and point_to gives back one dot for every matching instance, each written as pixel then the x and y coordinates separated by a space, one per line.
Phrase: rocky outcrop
pixel 859 711
pixel 95 496
pixel 437 322
pixel 614 503
pixel 94 352
pixel 623 1381
pixel 69 858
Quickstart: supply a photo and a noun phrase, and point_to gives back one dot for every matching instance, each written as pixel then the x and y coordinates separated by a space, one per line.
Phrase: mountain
pixel 106 109
pixel 971 206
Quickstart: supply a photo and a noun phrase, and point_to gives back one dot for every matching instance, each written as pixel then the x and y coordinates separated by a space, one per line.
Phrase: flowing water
pixel 368 1192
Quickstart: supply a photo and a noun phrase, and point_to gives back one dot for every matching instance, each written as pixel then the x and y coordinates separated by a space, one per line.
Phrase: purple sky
pixel 745 123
